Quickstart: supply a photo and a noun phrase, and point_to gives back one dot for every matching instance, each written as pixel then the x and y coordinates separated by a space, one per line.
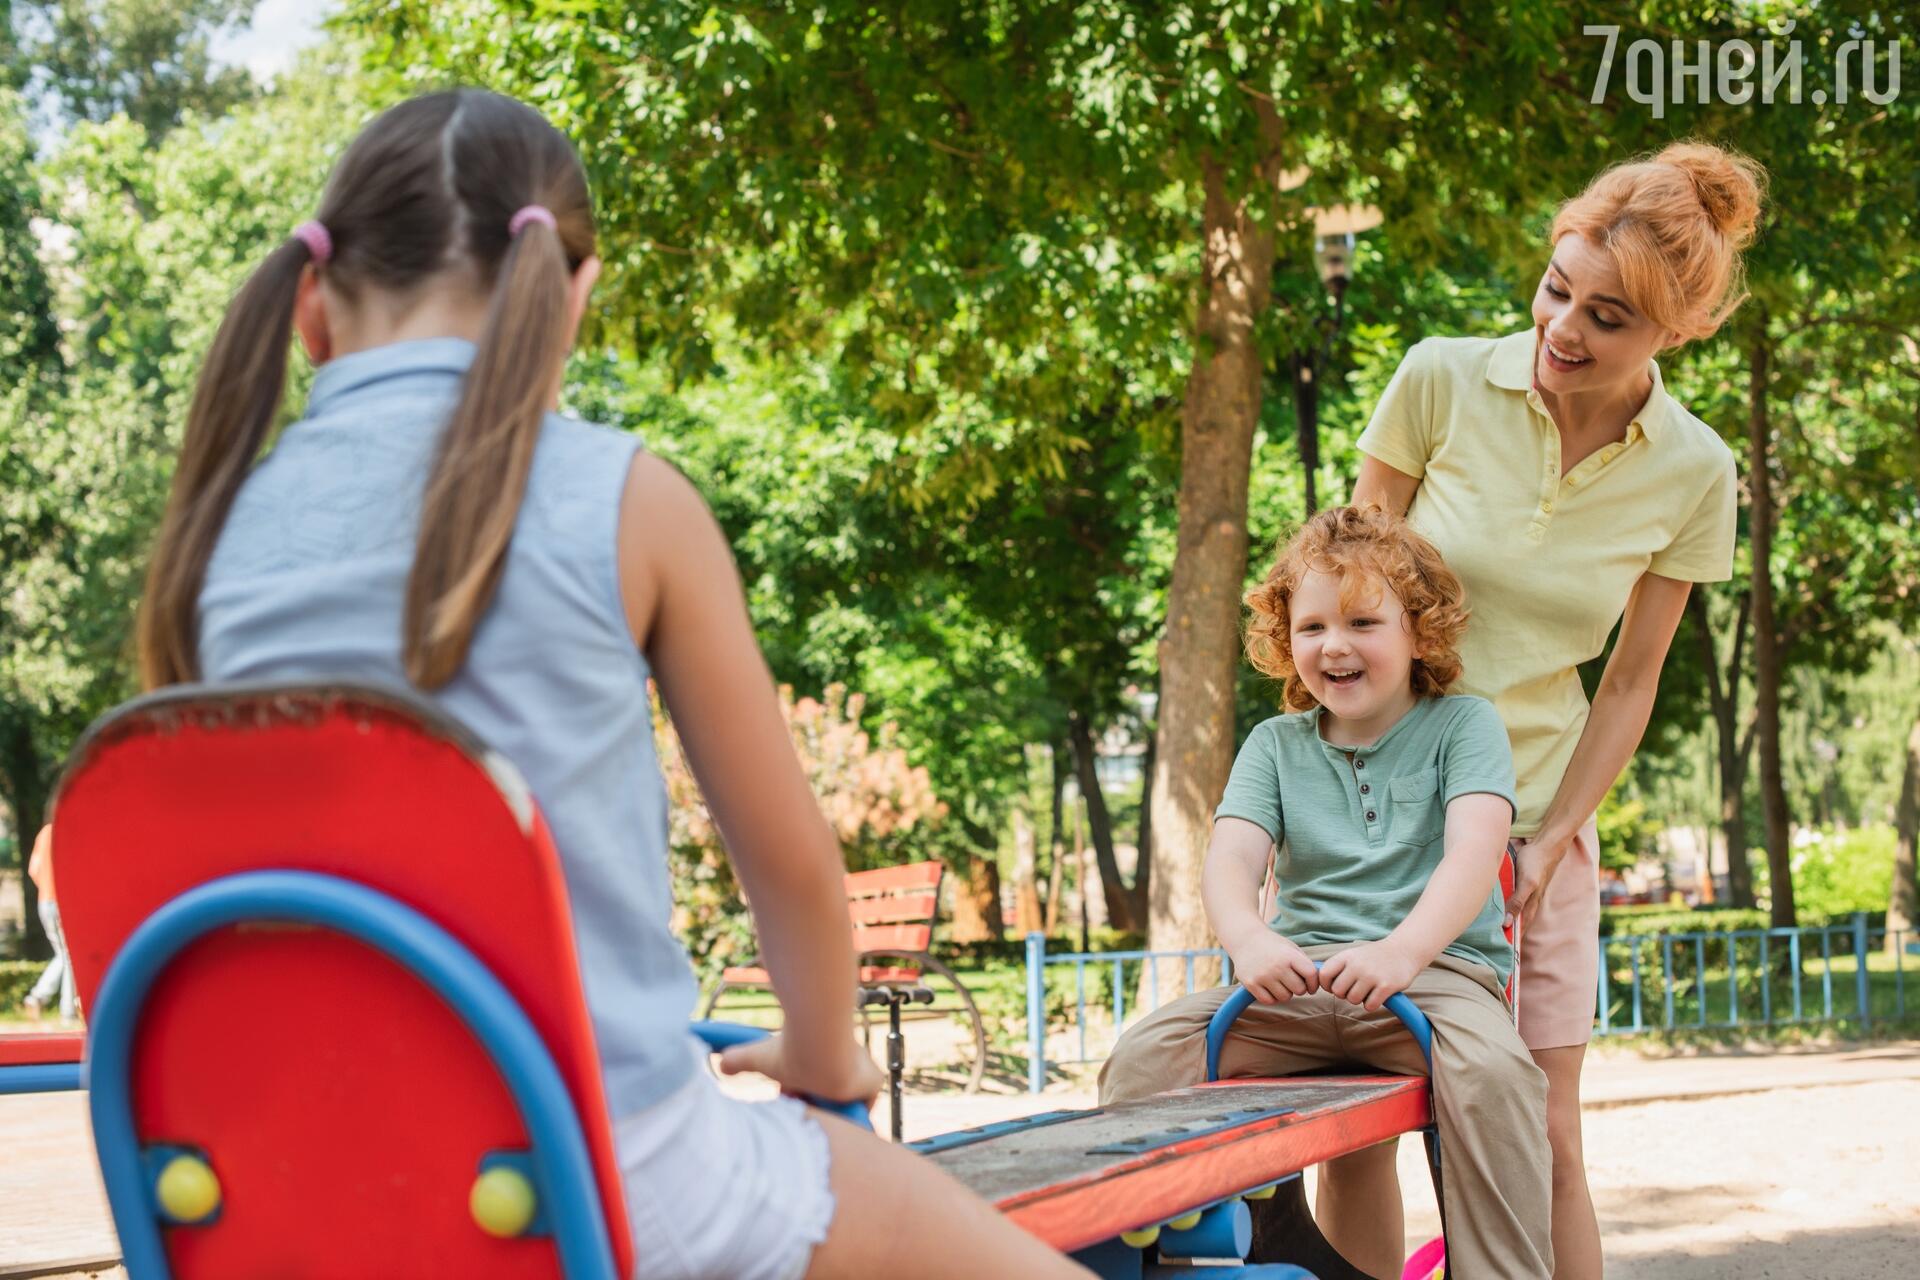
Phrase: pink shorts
pixel 1560 951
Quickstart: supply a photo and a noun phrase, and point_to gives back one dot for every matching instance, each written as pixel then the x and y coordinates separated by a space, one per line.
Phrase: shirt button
pixel 1366 788
pixel 1369 815
pixel 1546 506
pixel 1359 764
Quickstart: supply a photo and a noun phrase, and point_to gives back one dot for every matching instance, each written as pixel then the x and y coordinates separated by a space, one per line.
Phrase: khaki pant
pixel 1489 1097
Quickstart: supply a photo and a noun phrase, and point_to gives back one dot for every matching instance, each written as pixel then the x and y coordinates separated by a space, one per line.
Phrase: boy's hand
pixel 1273 968
pixel 1367 975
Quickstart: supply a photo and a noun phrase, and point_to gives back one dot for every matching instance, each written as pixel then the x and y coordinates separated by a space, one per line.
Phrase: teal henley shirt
pixel 1359 831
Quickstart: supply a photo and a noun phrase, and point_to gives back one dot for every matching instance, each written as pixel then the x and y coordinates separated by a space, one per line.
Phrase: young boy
pixel 1386 804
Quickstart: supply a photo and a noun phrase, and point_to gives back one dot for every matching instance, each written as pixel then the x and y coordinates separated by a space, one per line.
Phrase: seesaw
pixel 336 1024
pixel 1134 1186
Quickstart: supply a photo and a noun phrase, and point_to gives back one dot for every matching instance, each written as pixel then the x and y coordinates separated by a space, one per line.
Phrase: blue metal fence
pixel 1746 978
pixel 1648 982
pixel 1110 968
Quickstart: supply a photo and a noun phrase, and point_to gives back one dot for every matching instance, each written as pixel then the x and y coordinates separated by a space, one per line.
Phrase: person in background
pixel 58 977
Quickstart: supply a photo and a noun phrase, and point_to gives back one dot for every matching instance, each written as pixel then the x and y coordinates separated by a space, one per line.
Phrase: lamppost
pixel 1334 230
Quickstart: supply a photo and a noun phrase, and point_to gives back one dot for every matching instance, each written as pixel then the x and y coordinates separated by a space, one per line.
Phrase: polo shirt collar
pixel 1510 367
pixel 421 363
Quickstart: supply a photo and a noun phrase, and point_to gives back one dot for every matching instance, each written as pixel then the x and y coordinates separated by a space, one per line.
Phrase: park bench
pixel 336 1025
pixel 893 910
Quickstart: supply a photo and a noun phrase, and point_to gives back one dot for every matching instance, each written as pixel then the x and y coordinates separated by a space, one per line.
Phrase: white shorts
pixel 723 1189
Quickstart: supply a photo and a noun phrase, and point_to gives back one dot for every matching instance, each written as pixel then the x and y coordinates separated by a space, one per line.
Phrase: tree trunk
pixel 1201 644
pixel 1121 914
pixel 1766 647
pixel 1027 915
pixel 26 795
pixel 1056 875
pixel 1724 696
pixel 976 907
pixel 1143 865
pixel 1306 412
pixel 1903 904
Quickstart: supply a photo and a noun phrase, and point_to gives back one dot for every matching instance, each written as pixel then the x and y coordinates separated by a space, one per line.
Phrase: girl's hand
pixel 1272 968
pixel 1538 860
pixel 856 1079
pixel 1367 975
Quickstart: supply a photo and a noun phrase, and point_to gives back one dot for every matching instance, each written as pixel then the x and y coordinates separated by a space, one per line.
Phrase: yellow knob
pixel 502 1202
pixel 187 1189
pixel 1186 1222
pixel 1140 1239
pixel 1264 1193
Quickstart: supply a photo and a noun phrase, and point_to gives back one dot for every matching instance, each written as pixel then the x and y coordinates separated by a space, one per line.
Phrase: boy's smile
pixel 1356 658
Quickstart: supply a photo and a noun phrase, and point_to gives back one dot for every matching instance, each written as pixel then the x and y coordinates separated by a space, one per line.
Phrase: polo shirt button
pixel 1369 815
pixel 1366 788
pixel 1359 764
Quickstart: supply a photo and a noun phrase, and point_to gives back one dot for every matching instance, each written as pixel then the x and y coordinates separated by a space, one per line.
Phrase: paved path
pixel 1787 1163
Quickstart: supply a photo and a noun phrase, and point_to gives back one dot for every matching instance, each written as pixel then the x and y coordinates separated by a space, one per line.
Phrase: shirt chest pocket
pixel 1415 809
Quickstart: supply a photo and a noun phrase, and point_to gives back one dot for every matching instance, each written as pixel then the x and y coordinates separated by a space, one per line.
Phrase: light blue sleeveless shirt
pixel 308 582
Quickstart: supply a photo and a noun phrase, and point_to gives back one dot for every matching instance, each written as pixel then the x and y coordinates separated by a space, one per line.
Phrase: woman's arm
pixel 1382 485
pixel 685 603
pixel 1621 707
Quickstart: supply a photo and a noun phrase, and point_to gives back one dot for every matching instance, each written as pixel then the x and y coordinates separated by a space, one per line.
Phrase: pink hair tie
pixel 531 213
pixel 314 236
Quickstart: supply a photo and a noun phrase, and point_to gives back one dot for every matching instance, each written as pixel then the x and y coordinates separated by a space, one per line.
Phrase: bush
pixel 1838 873
pixel 16 979
pixel 1658 918
pixel 880 807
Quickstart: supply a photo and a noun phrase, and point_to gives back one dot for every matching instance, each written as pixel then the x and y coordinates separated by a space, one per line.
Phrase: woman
pixel 1570 491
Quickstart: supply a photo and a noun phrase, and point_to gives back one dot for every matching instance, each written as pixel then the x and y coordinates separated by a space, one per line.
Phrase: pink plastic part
pixel 1429 1261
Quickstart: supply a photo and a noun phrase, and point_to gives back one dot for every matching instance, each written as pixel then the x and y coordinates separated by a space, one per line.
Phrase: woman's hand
pixel 856 1079
pixel 1538 859
pixel 1272 968
pixel 1368 975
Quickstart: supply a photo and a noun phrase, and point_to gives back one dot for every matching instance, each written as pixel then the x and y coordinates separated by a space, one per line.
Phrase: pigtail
pixel 485 454
pixel 234 405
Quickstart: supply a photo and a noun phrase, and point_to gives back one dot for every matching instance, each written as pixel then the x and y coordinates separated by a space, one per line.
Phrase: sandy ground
pixel 1800 1164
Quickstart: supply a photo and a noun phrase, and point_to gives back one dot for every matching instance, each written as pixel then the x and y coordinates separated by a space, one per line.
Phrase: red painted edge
pixel 1173 1180
pixel 35 1048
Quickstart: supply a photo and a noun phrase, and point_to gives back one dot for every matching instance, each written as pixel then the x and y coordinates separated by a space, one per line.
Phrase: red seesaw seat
pixel 343 1106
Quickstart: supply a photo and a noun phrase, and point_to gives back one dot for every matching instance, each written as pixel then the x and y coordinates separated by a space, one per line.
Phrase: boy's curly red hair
pixel 1363 545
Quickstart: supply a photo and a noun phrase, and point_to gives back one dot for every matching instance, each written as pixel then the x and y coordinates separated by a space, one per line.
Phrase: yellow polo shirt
pixel 1548 559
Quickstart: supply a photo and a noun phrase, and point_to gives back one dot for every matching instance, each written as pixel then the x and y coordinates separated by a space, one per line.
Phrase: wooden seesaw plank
pixel 1076 1182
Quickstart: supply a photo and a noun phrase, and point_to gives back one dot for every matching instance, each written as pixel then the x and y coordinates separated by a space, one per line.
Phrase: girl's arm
pixel 1263 962
pixel 684 601
pixel 1621 707
pixel 1476 837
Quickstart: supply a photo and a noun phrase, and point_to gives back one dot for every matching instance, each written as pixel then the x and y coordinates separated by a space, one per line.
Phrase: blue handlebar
pixel 1236 1004
pixel 724 1035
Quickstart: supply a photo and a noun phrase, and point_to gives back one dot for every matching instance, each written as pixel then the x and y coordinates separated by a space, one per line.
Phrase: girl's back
pixel 308 580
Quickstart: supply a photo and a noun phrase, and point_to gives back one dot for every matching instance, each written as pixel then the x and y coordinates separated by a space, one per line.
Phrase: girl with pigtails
pixel 431 520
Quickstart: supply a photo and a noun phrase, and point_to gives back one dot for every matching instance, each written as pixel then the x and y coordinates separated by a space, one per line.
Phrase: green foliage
pixel 1653 919
pixel 16 979
pixel 1626 831
pixel 146 60
pixel 1840 872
